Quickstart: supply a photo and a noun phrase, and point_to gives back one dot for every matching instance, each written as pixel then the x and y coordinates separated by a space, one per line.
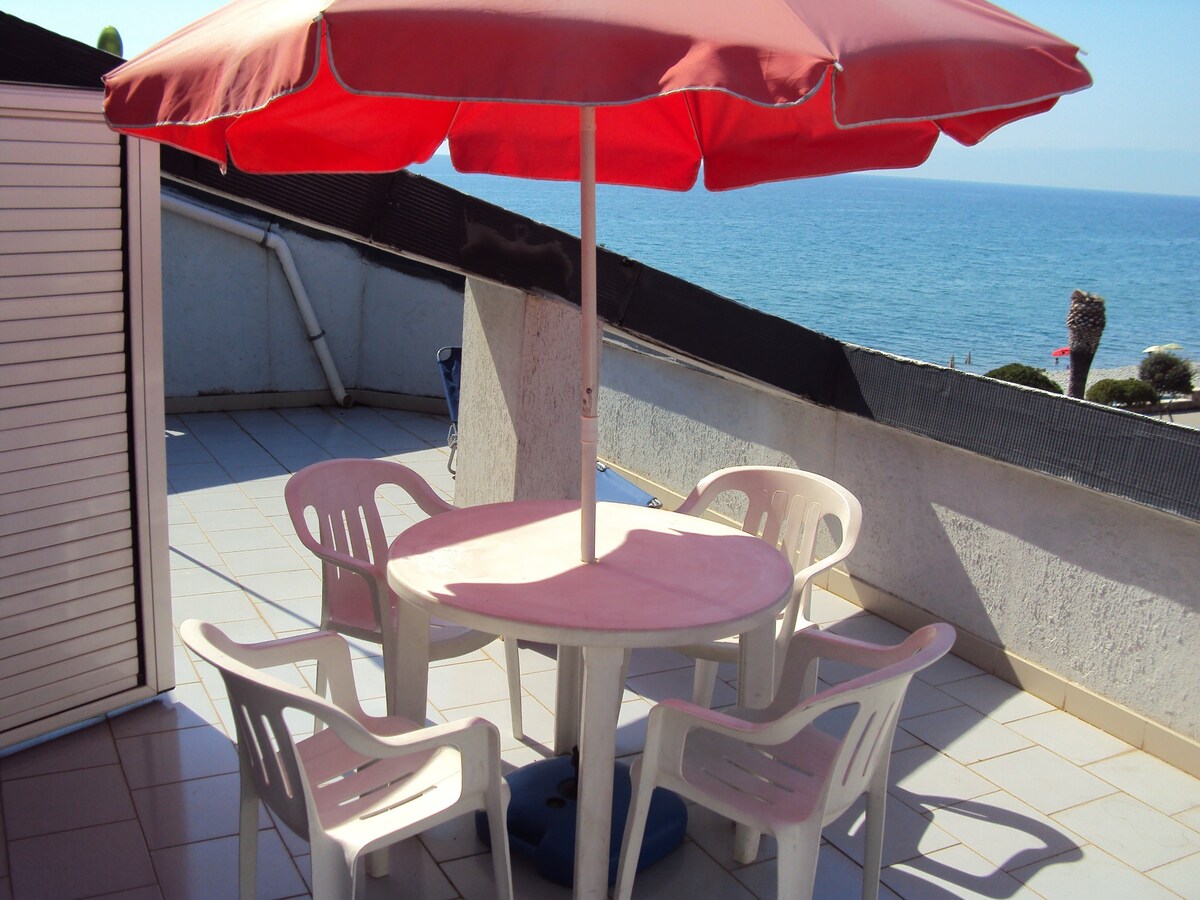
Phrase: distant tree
pixel 110 40
pixel 1028 376
pixel 1122 392
pixel 1166 373
pixel 1085 324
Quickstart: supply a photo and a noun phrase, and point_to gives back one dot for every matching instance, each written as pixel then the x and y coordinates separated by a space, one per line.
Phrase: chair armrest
pixel 338 558
pixel 671 721
pixel 328 650
pixel 476 739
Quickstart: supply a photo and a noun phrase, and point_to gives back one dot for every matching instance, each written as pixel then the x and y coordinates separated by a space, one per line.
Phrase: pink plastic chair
pixel 777 769
pixel 784 507
pixel 361 784
pixel 356 599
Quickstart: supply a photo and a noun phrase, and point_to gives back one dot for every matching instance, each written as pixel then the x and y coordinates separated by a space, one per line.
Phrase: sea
pixel 970 274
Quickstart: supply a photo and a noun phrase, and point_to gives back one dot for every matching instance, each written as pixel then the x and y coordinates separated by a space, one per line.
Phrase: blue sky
pixel 1136 129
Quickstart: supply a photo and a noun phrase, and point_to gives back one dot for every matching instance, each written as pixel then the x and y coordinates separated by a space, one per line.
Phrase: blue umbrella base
pixel 541 819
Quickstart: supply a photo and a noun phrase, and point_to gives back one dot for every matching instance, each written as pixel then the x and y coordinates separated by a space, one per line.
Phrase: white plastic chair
pixel 357 786
pixel 776 769
pixel 784 507
pixel 355 597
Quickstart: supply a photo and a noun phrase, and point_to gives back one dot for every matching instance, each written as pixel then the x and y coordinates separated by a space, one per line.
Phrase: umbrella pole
pixel 589 422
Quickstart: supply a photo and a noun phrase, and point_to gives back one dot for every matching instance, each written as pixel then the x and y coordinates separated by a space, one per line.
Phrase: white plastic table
pixel 662 580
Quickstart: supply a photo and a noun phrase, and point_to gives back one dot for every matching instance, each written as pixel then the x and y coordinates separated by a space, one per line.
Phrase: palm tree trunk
pixel 1085 324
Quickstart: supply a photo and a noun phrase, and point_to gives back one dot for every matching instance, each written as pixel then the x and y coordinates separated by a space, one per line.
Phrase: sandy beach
pixel 1060 374
pixel 1188 415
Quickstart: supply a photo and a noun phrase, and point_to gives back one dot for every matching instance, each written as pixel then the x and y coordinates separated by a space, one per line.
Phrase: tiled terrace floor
pixel 995 794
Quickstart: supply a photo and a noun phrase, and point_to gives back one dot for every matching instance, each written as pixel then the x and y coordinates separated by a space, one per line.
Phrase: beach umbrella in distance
pixel 1162 348
pixel 1060 353
pixel 610 91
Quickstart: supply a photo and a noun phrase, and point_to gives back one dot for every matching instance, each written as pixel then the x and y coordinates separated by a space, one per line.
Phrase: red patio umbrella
pixel 613 91
pixel 1061 351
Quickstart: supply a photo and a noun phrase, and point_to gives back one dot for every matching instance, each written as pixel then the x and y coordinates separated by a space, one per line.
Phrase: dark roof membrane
pixel 32 55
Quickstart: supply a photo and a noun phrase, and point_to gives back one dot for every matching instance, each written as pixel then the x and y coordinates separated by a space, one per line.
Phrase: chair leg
pixel 332 873
pixel 322 688
pixel 705 682
pixel 635 828
pixel 379 863
pixel 247 837
pixel 497 813
pixel 873 853
pixel 796 862
pixel 512 666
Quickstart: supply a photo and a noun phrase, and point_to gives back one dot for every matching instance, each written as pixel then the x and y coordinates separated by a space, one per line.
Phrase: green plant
pixel 1166 373
pixel 1028 376
pixel 1122 392
pixel 110 40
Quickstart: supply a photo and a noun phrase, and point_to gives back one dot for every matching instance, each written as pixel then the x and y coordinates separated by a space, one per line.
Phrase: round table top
pixel 661 579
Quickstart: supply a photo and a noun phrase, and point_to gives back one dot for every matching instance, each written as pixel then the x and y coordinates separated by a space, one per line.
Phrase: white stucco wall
pixel 1099 590
pixel 226 298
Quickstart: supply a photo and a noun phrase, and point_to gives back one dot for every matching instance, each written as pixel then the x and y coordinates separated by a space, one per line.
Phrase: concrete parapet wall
pixel 231 324
pixel 1098 590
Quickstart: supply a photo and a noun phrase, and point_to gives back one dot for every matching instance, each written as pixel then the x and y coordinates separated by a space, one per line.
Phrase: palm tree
pixel 1085 324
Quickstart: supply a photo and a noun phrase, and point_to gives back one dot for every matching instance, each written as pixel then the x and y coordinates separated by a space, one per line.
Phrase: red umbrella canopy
pixel 758 90
pixel 636 92
pixel 1061 351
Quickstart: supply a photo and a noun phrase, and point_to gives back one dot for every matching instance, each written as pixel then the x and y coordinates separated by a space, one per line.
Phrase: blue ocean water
pixel 920 268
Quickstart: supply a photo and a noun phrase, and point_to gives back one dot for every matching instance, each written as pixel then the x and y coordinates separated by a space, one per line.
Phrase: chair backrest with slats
pixel 785 507
pixel 266 750
pixel 342 494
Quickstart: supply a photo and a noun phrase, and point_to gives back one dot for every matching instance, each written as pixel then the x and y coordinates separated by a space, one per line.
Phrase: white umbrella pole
pixel 589 422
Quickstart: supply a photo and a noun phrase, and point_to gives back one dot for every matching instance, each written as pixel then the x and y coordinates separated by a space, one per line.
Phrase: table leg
pixel 602 690
pixel 756 686
pixel 409 673
pixel 756 667
pixel 567 696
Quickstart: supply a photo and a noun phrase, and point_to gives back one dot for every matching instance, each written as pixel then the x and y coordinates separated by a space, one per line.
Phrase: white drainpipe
pixel 271 239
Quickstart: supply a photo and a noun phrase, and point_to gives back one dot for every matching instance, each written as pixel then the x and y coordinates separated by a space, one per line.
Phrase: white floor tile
pixel 1131 831
pixel 1181 876
pixel 467 684
pixel 1069 737
pixel 1150 780
pixel 996 699
pixel 1006 832
pixel 245 539
pixel 837 876
pixel 1046 782
pixel 906 834
pixel 953 872
pixel 925 779
pixel 966 735
pixel 1087 874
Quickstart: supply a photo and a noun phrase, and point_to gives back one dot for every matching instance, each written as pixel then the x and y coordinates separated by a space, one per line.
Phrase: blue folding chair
pixel 610 486
pixel 449 360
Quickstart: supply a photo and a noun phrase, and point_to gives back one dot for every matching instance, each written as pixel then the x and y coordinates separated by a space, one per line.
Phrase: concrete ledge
pixel 1128 725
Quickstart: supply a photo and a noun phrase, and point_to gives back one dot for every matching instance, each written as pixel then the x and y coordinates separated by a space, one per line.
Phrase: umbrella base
pixel 541 819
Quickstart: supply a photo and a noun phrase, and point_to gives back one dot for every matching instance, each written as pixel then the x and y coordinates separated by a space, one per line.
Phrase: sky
pixel 1136 129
